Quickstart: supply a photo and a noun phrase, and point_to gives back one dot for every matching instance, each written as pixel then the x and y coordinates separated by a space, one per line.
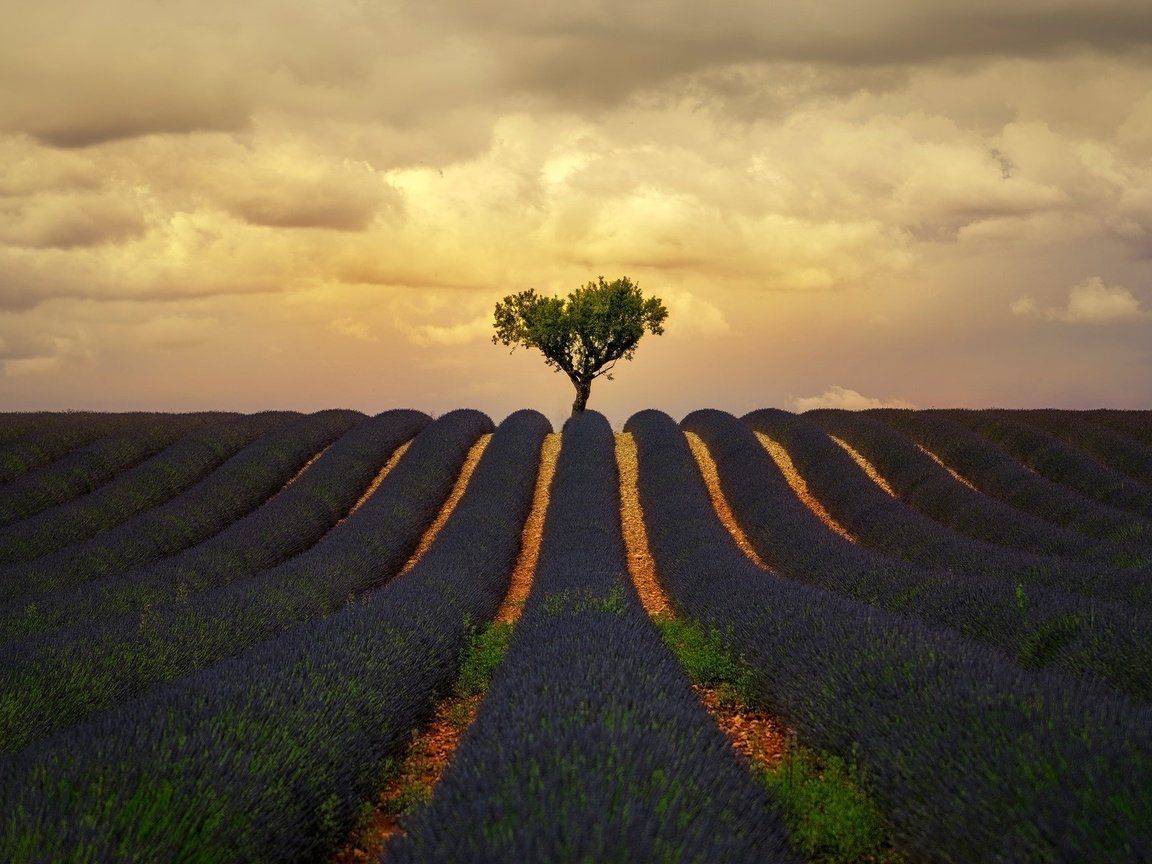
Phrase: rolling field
pixel 224 636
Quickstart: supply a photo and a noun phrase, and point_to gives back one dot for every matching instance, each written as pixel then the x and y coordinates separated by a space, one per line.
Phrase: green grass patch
pixel 827 810
pixel 829 814
pixel 707 662
pixel 483 653
pixel 485 650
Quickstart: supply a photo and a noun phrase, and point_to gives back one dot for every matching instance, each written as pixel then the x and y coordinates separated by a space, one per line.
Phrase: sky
pixel 303 205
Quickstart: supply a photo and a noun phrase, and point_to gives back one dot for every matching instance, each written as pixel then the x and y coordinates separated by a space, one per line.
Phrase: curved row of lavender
pixel 987 663
pixel 98 532
pixel 972 757
pixel 1137 424
pixel 290 521
pixel 1037 626
pixel 87 467
pixel 29 441
pixel 270 754
pixel 1114 447
pixel 590 744
pixel 889 524
pixel 997 473
pixel 1059 461
pixel 70 672
pixel 926 485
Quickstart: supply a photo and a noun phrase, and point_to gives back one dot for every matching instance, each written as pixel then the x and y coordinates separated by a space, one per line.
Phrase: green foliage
pixel 484 652
pixel 570 602
pixel 411 794
pixel 829 815
pixel 705 659
pixel 584 335
pixel 330 823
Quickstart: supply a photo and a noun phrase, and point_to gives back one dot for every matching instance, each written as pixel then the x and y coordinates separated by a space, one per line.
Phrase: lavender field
pixel 221 634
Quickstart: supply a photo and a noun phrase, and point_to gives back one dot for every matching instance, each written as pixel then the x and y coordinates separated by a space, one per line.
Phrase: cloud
pixel 306 208
pixel 29 354
pixel 1093 302
pixel 222 67
pixel 29 169
pixel 782 175
pixel 1090 302
pixel 841 397
pixel 352 327
pixel 291 188
pixel 450 334
pixel 646 45
pixel 175 331
pixel 1025 307
pixel 690 315
pixel 141 74
pixel 28 279
pixel 65 221
pixel 181 256
pixel 155 70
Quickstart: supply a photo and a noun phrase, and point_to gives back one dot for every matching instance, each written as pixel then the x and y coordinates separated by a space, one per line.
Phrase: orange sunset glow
pixel 303 205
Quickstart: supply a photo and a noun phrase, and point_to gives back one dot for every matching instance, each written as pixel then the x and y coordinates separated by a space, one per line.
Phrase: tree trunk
pixel 583 389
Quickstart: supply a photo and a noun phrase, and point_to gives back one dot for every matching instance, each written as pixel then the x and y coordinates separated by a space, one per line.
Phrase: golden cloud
pixel 844 398
pixel 1090 302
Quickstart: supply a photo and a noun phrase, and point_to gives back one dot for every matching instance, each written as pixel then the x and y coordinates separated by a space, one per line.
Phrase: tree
pixel 584 335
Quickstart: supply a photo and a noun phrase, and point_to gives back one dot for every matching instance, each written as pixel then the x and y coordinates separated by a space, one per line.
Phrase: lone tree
pixel 584 335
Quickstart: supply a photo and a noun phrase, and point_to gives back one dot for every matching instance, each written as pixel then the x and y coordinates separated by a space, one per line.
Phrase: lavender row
pixel 31 441
pixel 1034 625
pixel 994 472
pixel 149 484
pixel 245 481
pixel 270 755
pixel 85 469
pixel 590 744
pixel 290 522
pixel 1138 424
pixel 884 523
pixel 61 676
pixel 1050 457
pixel 922 483
pixel 972 758
pixel 18 425
pixel 1121 570
pixel 1086 430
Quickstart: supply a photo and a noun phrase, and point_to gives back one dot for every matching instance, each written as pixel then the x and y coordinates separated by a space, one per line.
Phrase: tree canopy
pixel 584 335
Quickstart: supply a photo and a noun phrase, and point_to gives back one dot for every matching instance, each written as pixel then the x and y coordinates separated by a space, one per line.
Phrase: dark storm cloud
pixel 77 74
pixel 597 53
